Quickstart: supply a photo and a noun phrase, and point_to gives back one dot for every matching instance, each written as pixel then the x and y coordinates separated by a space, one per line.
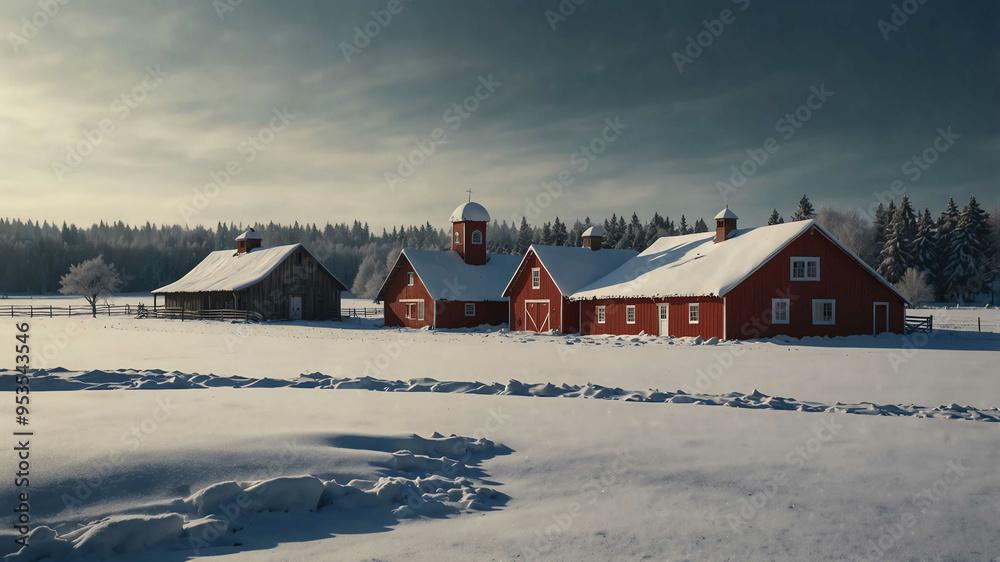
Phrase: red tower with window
pixel 468 232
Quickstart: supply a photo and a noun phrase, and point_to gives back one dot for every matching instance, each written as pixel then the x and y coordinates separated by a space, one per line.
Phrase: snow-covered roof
pixel 225 270
pixel 470 211
pixel 694 265
pixel 572 268
pixel 595 230
pixel 726 214
pixel 249 234
pixel 448 278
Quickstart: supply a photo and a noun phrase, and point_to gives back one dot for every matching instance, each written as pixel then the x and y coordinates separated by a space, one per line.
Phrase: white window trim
pixel 694 307
pixel 536 278
pixel 458 237
pixel 630 309
pixel 788 311
pixel 410 276
pixel 808 260
pixel 467 306
pixel 833 319
pixel 420 308
pixel 602 314
pixel 477 237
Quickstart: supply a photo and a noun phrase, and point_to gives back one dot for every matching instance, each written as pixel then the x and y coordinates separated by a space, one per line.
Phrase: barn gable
pixel 447 277
pixel 571 268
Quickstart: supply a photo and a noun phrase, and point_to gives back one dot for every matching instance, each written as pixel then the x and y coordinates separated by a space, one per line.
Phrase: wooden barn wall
pixel 300 274
pixel 647 317
pixel 521 291
pixel 451 314
pixel 395 311
pixel 841 278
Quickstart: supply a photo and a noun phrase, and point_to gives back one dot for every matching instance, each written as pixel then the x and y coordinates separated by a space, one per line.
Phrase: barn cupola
pixel 247 241
pixel 593 237
pixel 725 223
pixel 468 232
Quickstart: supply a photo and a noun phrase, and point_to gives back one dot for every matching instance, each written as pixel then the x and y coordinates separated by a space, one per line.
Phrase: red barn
pixel 540 288
pixel 792 279
pixel 458 288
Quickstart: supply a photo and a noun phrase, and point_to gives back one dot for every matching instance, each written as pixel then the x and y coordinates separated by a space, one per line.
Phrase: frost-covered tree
pixel 683 227
pixel 805 210
pixel 775 218
pixel 909 222
pixel 947 222
pixel 547 238
pixel 880 223
pixel 915 286
pixel 925 249
pixel 93 280
pixel 525 234
pixel 895 257
pixel 627 240
pixel 700 226
pixel 966 261
pixel 852 230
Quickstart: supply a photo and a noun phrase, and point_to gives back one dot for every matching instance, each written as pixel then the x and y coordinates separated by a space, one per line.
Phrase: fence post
pixel 50 311
pixel 70 313
pixel 31 311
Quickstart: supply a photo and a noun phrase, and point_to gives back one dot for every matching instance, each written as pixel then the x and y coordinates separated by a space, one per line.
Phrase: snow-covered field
pixel 760 456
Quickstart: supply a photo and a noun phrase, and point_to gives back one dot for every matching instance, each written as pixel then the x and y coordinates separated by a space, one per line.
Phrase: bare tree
pixel 855 232
pixel 915 287
pixel 93 280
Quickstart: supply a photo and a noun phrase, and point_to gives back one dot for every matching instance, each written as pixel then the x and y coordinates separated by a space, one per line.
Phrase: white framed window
pixel 458 237
pixel 630 314
pixel 477 237
pixel 824 311
pixel 409 279
pixel 805 269
pixel 470 309
pixel 601 315
pixel 663 311
pixel 414 309
pixel 779 311
pixel 536 278
pixel 694 312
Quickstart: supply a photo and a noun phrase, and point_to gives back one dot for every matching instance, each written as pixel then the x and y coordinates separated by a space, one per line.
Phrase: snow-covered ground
pixel 615 465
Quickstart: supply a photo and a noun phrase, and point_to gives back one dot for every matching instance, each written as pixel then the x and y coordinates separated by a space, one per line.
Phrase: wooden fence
pixel 923 324
pixel 141 311
pixel 362 312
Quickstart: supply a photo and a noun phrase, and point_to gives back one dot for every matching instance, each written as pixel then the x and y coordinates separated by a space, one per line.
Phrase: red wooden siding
pixel 441 314
pixel 474 254
pixel 647 317
pixel 855 289
pixel 395 311
pixel 562 312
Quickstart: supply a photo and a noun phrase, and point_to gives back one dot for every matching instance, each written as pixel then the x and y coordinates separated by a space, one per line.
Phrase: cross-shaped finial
pixel 470 195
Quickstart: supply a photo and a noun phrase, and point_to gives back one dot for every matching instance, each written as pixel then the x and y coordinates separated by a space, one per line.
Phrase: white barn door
pixel 664 310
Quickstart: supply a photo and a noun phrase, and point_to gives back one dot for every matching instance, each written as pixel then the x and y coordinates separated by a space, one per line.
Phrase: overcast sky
pixel 185 89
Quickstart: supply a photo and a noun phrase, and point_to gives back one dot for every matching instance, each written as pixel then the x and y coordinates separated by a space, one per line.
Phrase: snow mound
pixel 114 535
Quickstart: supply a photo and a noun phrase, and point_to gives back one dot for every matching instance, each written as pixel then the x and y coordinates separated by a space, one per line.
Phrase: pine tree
pixel 559 234
pixel 628 240
pixel 925 249
pixel 700 226
pixel 547 234
pixel 895 258
pixel 524 236
pixel 775 218
pixel 909 222
pixel 947 222
pixel 880 224
pixel 805 210
pixel 965 271
pixel 684 229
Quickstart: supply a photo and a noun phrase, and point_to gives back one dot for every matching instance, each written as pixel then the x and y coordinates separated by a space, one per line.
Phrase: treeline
pixel 956 255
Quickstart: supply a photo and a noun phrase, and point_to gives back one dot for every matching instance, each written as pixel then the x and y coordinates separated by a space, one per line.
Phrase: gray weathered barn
pixel 281 283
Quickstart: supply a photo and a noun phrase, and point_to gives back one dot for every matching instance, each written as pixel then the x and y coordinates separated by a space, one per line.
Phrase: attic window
pixel 805 269
pixel 458 239
pixel 409 279
pixel 477 237
pixel 536 278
